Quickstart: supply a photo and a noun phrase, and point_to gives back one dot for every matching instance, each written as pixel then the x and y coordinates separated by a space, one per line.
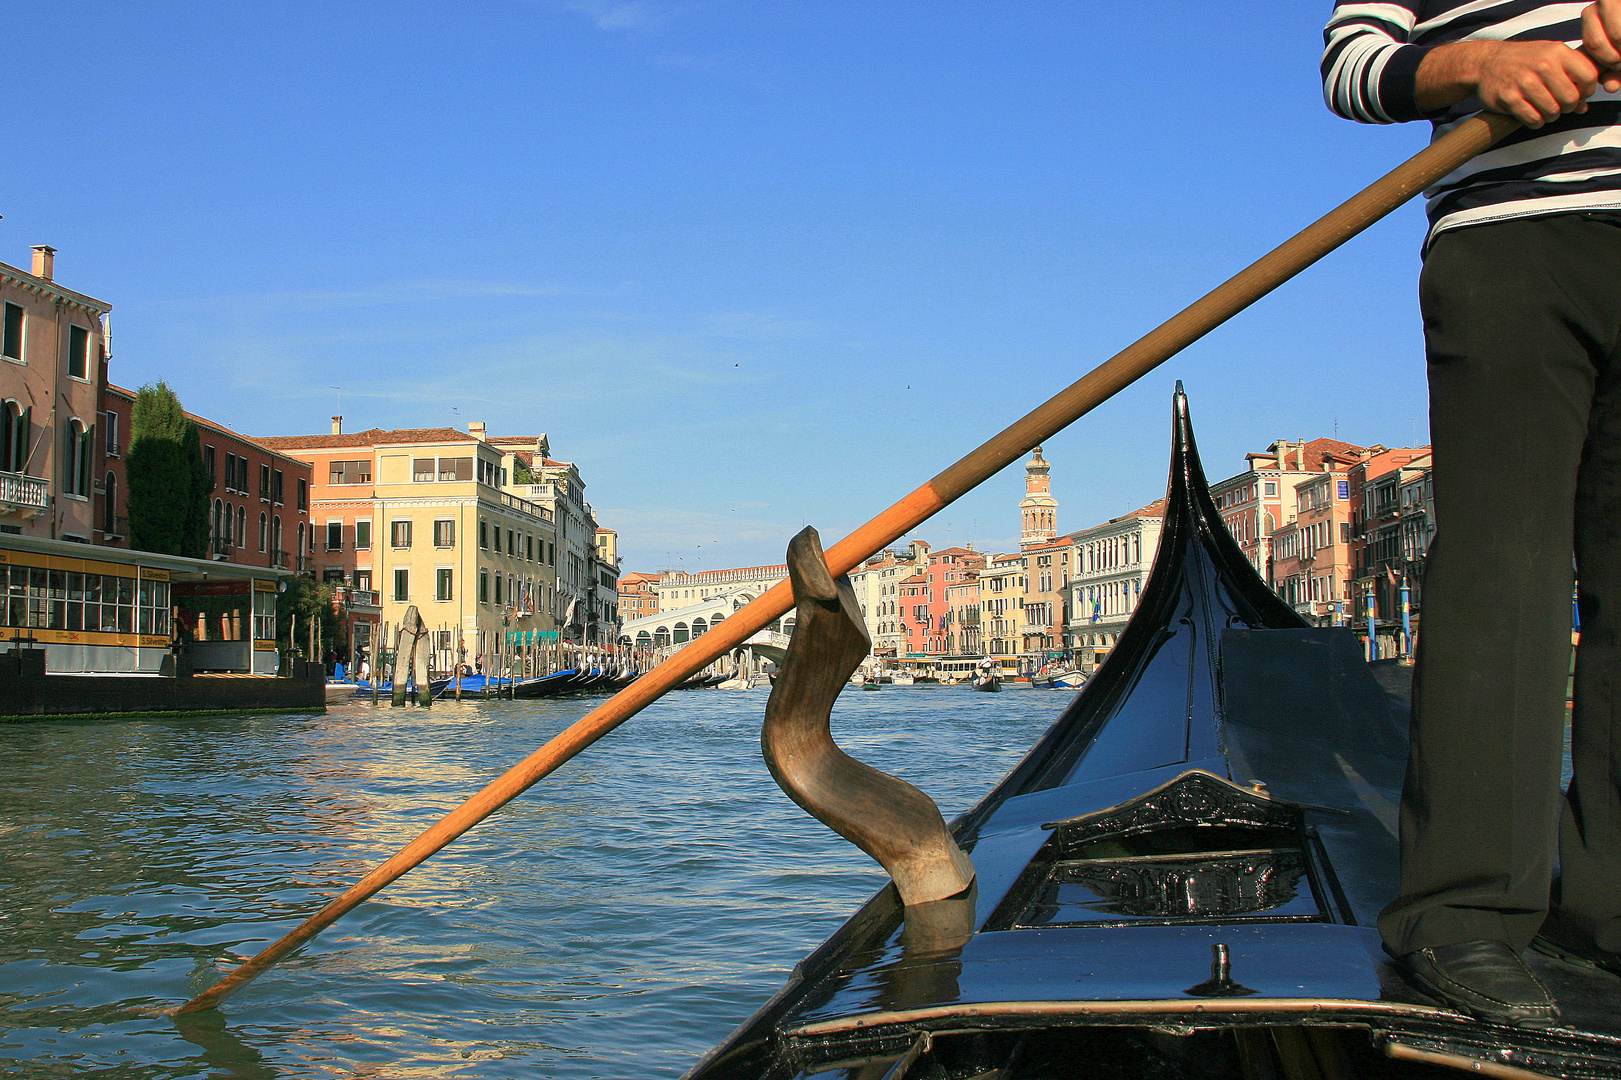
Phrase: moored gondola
pixel 544 686
pixel 1180 879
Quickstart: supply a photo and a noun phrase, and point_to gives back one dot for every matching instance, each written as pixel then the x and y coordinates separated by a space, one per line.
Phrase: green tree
pixel 521 473
pixel 168 486
pixel 308 599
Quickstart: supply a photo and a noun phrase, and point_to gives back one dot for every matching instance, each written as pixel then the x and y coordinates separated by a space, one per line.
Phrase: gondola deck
pixel 1196 850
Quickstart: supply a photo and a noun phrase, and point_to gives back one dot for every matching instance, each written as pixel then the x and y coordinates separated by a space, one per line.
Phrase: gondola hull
pixel 1180 879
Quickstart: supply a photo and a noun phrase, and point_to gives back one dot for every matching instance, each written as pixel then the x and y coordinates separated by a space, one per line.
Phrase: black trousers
pixel 1521 320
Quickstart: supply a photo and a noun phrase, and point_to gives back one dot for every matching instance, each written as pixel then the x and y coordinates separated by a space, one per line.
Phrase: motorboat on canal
pixel 1180 879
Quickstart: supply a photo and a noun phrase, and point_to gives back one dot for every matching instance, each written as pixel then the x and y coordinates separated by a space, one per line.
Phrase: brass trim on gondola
pixel 1326 1007
pixel 1403 1052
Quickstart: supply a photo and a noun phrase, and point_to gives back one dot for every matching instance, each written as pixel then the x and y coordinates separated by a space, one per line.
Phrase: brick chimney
pixel 476 429
pixel 337 424
pixel 44 261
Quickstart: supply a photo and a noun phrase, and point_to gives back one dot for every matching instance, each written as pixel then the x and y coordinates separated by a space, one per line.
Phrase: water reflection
pixel 618 920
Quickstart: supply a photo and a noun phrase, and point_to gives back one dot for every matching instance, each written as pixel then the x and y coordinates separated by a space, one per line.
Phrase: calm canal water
pixel 616 921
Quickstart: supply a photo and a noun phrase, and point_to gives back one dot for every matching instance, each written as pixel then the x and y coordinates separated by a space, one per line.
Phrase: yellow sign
pixel 263 646
pixel 260 585
pixel 59 562
pixel 89 637
pixel 153 574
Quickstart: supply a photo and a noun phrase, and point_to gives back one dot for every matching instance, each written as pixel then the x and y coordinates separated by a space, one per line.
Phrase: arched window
pixel 300 541
pixel 716 619
pixel 242 526
pixel 264 531
pixel 76 458
pixel 275 538
pixel 680 633
pixel 788 625
pixel 223 526
pixel 109 505
pixel 14 430
pixel 644 640
pixel 661 636
pixel 699 627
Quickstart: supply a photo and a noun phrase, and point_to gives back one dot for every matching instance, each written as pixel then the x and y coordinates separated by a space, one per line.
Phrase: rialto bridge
pixel 677 627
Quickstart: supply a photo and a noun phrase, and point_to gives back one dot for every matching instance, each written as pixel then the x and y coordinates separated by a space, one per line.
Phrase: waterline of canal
pixel 617 920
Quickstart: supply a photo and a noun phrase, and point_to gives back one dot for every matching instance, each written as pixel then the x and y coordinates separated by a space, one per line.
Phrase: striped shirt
pixel 1572 164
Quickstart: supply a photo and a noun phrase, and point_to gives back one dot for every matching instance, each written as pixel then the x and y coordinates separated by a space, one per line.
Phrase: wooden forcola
pixel 1250 284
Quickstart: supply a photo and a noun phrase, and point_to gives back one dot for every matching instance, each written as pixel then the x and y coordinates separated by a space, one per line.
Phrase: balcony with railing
pixel 363 601
pixel 220 547
pixel 524 506
pixel 24 494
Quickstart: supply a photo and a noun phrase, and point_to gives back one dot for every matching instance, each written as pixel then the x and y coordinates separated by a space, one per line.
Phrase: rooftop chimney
pixel 44 261
pixel 337 424
pixel 475 428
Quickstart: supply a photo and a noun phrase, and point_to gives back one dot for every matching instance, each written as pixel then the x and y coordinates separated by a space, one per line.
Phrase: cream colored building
pixel 679 590
pixel 1002 586
pixel 877 588
pixel 587 583
pixel 420 516
pixel 1112 564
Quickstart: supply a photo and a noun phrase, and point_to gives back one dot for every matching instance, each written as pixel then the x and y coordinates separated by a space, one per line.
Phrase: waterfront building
pixel 108 609
pixel 583 608
pixel 53 353
pixel 877 588
pixel 1417 496
pixel 1255 502
pixel 1311 551
pixel 961 621
pixel 1385 539
pixel 1002 586
pixel 1044 637
pixel 638 596
pixel 922 600
pixel 678 589
pixel 1112 562
pixel 259 509
pixel 420 516
pixel 605 600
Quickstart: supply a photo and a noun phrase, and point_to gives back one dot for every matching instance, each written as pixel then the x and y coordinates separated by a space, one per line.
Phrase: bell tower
pixel 1038 510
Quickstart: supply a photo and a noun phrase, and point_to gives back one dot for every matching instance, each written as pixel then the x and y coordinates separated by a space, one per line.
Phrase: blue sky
pixel 751 265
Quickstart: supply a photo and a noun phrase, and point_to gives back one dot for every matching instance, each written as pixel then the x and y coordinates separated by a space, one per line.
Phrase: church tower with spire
pixel 1038 510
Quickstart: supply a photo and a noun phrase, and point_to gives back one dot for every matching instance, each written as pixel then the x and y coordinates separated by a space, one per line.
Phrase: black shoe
pixel 1485 979
pixel 1580 956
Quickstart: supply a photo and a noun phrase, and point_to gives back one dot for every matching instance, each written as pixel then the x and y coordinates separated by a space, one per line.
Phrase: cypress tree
pixel 168 487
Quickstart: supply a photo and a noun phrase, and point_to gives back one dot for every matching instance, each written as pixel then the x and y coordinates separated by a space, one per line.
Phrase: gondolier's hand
pixel 1601 40
pixel 1533 81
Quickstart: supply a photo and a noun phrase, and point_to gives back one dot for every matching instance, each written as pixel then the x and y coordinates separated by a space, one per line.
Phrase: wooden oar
pixel 1261 277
